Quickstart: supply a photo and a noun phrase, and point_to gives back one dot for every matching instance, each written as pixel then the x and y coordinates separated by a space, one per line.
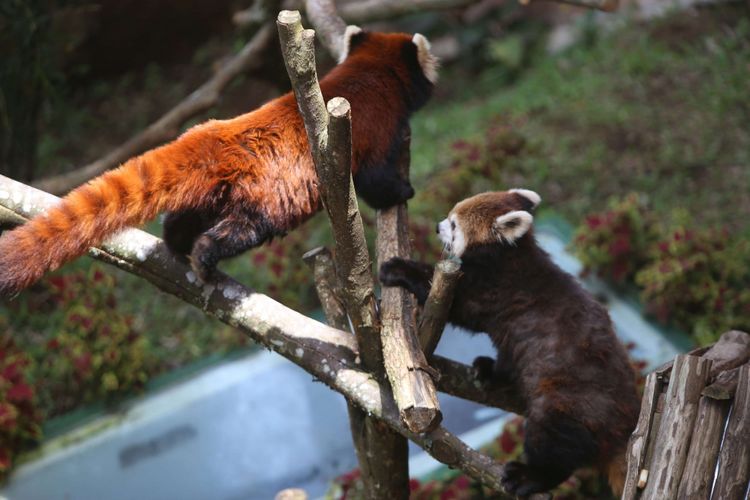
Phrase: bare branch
pixel 438 304
pixel 326 353
pixel 404 360
pixel 382 454
pixel 368 11
pixel 603 5
pixel 330 144
pixel 168 126
pixel 328 24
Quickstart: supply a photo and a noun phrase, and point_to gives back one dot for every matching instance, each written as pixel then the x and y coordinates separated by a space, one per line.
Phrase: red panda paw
pixel 203 261
pixel 520 480
pixel 484 368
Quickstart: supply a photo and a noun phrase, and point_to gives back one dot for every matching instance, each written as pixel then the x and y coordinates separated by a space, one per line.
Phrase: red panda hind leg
pixel 230 236
pixel 181 229
pixel 554 447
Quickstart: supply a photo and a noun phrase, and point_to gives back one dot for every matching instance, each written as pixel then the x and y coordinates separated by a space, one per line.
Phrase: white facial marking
pixel 351 30
pixel 530 195
pixel 452 236
pixel 513 225
pixel 427 60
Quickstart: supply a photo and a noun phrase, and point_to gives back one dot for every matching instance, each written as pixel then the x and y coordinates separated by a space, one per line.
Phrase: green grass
pixel 644 109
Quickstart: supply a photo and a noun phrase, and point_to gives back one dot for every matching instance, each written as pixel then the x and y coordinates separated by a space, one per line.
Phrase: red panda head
pixel 408 57
pixel 499 217
pixel 413 49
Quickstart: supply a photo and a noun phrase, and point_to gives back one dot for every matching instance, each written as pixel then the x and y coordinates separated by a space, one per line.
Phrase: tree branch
pixel 168 126
pixel 438 304
pixel 328 354
pixel 382 454
pixel 328 131
pixel 405 363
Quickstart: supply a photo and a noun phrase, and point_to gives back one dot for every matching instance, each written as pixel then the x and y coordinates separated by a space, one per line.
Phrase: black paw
pixel 484 367
pixel 202 260
pixel 393 272
pixel 517 479
pixel 406 192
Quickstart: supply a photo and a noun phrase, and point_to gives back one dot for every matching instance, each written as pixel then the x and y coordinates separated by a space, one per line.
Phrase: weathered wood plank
pixel 638 444
pixel 688 378
pixel 734 459
pixel 700 465
pixel 725 385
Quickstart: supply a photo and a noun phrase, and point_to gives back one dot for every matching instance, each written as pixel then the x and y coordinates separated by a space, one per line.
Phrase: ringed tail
pixel 132 194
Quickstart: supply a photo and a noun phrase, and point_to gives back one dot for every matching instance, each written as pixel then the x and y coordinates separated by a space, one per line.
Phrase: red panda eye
pixel 453 224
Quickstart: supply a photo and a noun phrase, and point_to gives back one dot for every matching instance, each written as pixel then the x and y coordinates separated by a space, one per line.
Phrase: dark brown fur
pixel 555 345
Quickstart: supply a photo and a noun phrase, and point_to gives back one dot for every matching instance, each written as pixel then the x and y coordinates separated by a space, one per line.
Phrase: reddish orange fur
pixel 260 159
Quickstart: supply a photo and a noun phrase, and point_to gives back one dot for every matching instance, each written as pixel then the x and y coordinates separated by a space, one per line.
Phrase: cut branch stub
pixel 330 145
pixel 438 304
pixel 328 23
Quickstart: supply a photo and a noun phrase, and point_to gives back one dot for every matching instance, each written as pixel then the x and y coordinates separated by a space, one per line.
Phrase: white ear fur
pixel 530 195
pixel 513 225
pixel 350 31
pixel 427 61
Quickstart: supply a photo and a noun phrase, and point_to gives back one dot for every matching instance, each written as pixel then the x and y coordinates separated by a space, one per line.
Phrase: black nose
pixel 437 228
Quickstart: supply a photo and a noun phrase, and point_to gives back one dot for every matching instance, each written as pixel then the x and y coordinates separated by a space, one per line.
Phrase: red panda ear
pixel 427 61
pixel 353 36
pixel 511 226
pixel 530 199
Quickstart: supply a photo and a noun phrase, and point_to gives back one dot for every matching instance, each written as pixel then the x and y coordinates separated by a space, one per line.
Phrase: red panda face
pixel 499 217
pixel 392 47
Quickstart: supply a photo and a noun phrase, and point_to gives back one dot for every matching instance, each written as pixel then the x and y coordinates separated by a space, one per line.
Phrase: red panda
pixel 555 344
pixel 231 185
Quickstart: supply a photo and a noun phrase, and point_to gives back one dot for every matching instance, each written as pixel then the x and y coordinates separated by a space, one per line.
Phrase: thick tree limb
pixel 168 126
pixel 405 363
pixel 381 453
pixel 328 354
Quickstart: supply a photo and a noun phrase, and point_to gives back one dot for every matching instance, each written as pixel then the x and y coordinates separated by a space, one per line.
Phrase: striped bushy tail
pixel 129 195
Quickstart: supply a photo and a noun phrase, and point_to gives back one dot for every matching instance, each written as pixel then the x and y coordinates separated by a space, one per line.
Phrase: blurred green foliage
pixel 692 276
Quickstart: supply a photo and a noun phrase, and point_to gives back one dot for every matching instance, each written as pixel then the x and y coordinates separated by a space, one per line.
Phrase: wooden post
pixel 688 378
pixel 734 459
pixel 638 444
pixel 704 449
pixel 405 363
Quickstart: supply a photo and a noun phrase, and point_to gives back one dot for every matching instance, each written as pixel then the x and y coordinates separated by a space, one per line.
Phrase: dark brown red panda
pixel 555 344
pixel 230 185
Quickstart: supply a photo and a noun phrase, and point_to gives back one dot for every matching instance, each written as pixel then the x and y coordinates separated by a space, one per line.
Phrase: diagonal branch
pixel 168 126
pixel 328 354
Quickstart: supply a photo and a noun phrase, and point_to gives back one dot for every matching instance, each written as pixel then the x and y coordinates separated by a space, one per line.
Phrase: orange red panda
pixel 230 185
pixel 555 344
